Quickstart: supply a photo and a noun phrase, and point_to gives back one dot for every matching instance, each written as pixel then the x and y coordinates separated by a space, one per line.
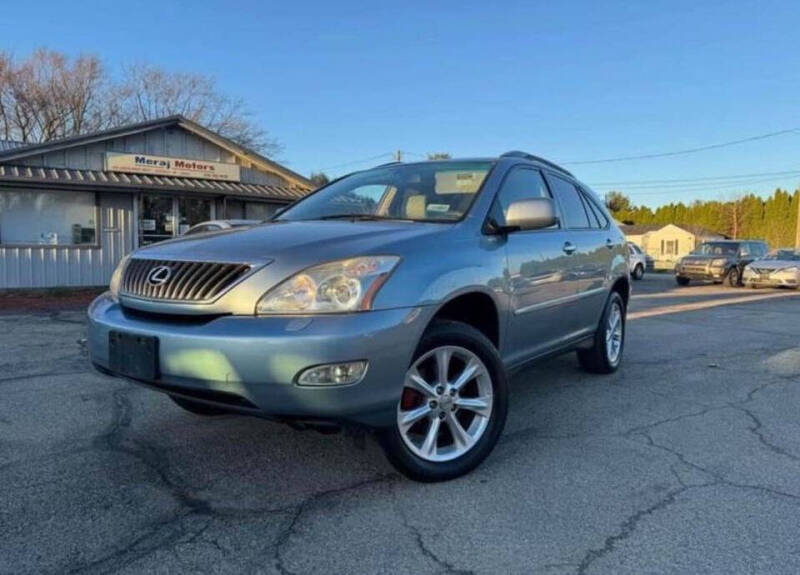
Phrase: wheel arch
pixel 475 307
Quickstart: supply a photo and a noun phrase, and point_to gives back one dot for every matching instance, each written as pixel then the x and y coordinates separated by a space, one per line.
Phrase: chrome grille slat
pixel 189 282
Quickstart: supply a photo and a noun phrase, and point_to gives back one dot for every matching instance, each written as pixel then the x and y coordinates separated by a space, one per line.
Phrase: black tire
pixel 596 359
pixel 196 407
pixel 453 333
pixel 733 278
pixel 682 281
pixel 638 272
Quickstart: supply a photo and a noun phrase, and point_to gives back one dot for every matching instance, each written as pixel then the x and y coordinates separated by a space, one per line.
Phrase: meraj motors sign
pixel 164 166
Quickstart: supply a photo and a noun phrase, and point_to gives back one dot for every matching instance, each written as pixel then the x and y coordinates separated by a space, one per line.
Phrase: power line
pixel 698 188
pixel 354 162
pixel 690 180
pixel 686 151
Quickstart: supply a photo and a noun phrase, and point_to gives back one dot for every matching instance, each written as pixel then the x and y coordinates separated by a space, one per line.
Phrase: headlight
pixel 718 263
pixel 790 270
pixel 116 277
pixel 335 287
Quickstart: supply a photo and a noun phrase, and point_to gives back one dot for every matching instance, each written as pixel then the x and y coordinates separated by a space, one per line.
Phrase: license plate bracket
pixel 133 355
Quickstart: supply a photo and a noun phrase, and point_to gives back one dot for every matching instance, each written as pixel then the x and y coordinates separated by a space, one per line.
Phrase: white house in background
pixel 666 244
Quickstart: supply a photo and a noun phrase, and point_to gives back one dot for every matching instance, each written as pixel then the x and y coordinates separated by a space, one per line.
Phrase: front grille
pixel 185 281
pixel 694 268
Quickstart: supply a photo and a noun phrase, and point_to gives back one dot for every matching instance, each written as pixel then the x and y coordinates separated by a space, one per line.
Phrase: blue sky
pixel 337 82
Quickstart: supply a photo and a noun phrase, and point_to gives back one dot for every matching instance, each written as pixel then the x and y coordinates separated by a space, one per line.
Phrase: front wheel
pixel 605 354
pixel 638 272
pixel 682 281
pixel 453 405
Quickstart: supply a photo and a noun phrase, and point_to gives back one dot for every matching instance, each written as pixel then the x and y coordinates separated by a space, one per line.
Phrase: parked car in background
pixel 780 268
pixel 637 262
pixel 217 225
pixel 397 298
pixel 719 261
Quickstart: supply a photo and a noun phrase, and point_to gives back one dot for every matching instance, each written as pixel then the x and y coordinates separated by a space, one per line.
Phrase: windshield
pixel 717 249
pixel 425 192
pixel 788 255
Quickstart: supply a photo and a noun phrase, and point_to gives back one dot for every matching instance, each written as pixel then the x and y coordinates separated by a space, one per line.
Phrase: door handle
pixel 569 247
pixel 609 244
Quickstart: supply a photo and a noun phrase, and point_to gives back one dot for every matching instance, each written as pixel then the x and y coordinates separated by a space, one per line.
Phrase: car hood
pixel 322 240
pixel 773 265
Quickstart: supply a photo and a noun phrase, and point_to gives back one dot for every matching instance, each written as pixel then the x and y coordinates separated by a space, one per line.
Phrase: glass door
pixel 156 219
pixel 166 217
pixel 192 211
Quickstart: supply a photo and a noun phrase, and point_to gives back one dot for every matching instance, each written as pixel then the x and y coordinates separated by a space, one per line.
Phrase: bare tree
pixel 49 96
pixel 148 92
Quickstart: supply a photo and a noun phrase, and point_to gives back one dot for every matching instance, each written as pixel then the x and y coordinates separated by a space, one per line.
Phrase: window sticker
pixel 438 207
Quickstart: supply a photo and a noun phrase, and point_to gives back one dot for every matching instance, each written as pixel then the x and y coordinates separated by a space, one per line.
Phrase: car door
pixel 592 249
pixel 536 263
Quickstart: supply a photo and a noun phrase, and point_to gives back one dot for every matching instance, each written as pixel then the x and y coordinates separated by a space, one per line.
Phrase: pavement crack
pixel 300 509
pixel 756 429
pixel 628 528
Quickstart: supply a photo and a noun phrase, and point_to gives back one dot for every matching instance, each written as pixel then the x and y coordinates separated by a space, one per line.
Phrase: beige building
pixel 666 244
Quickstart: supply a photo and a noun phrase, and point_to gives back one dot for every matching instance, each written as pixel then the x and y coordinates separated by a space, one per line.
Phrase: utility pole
pixel 797 232
pixel 398 156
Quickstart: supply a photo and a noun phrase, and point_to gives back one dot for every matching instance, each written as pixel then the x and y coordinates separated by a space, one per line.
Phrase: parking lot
pixel 685 461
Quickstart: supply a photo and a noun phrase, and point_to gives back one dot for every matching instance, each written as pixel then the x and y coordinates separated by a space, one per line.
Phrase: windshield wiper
pixel 362 217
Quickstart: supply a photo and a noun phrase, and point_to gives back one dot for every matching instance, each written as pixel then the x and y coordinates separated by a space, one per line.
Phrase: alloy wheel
pixel 614 327
pixel 446 403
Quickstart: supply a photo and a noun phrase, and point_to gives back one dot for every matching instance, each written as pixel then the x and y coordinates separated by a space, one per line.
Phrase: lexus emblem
pixel 159 275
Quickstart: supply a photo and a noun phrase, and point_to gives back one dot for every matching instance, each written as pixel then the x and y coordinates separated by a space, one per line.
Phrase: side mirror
pixel 533 214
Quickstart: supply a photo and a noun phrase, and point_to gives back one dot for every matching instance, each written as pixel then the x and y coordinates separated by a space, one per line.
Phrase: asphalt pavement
pixel 685 461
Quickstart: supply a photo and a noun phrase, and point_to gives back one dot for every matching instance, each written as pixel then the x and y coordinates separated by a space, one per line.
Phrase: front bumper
pixel 701 273
pixel 770 281
pixel 249 363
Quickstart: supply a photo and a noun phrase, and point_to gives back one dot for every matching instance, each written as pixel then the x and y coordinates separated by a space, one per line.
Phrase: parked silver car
pixel 397 298
pixel 780 268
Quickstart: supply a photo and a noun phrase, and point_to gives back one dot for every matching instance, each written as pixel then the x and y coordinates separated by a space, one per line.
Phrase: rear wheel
pixel 682 281
pixel 196 407
pixel 453 405
pixel 609 340
pixel 638 272
pixel 733 279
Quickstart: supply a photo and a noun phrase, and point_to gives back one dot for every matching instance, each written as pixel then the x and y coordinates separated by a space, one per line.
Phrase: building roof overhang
pixel 29 176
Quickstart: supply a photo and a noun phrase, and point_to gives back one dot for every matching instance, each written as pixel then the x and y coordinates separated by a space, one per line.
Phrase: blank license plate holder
pixel 133 355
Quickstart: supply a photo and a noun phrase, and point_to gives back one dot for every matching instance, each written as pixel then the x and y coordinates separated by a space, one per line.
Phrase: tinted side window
pixel 573 211
pixel 521 184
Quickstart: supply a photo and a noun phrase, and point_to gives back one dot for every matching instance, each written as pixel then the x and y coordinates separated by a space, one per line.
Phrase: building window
pixel 48 218
pixel 669 247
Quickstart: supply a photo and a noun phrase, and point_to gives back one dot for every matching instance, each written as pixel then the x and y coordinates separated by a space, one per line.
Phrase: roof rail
pixel 527 156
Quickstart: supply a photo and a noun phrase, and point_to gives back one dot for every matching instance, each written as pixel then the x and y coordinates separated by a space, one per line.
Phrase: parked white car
pixel 637 263
pixel 780 268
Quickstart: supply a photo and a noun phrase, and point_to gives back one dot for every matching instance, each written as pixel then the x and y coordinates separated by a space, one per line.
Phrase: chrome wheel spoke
pixel 414 415
pixel 429 445
pixel 415 381
pixel 480 405
pixel 470 371
pixel 460 436
pixel 443 355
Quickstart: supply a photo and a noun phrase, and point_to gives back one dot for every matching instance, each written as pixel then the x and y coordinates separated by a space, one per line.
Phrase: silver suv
pixel 396 299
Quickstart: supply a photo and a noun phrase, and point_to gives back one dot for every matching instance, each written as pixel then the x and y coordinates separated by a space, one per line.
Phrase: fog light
pixel 333 373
